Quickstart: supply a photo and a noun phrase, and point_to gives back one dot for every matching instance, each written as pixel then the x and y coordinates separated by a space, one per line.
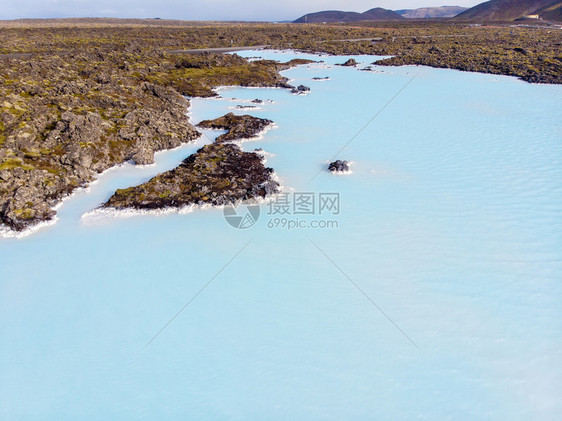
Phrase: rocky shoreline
pixel 530 54
pixel 49 155
pixel 62 122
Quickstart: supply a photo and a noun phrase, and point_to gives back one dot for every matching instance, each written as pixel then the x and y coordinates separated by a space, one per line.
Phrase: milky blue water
pixel 438 295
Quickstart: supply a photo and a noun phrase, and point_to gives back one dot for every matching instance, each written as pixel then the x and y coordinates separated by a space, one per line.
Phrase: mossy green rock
pixel 217 174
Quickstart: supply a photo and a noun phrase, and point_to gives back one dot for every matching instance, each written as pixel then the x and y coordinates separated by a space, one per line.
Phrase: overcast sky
pixel 201 9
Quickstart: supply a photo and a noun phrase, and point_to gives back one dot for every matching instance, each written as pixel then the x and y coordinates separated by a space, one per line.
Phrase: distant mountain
pixel 509 10
pixel 552 12
pixel 432 12
pixel 378 13
pixel 330 16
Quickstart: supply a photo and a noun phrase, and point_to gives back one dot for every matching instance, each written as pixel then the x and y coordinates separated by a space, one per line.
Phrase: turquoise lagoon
pixel 438 295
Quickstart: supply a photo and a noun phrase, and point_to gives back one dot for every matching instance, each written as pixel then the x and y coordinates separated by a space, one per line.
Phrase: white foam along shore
pixel 6 232
pixel 100 215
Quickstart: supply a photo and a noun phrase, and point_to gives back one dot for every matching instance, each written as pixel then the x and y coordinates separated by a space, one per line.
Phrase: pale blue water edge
pixel 451 223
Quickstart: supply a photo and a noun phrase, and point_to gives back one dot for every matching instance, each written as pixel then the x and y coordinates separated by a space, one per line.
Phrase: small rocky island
pixel 217 174
pixel 238 126
pixel 339 166
pixel 301 89
pixel 349 63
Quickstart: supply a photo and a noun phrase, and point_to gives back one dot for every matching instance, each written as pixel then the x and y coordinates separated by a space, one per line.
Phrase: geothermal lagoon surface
pixel 426 284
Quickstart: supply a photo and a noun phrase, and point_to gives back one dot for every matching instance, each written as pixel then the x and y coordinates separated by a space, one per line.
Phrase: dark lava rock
pixel 301 89
pixel 321 78
pixel 245 107
pixel 217 174
pixel 339 166
pixel 349 63
pixel 65 120
pixel 238 126
pixel 257 101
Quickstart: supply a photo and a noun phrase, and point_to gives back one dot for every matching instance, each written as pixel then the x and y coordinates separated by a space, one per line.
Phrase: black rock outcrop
pixel 349 63
pixel 301 89
pixel 238 126
pixel 339 166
